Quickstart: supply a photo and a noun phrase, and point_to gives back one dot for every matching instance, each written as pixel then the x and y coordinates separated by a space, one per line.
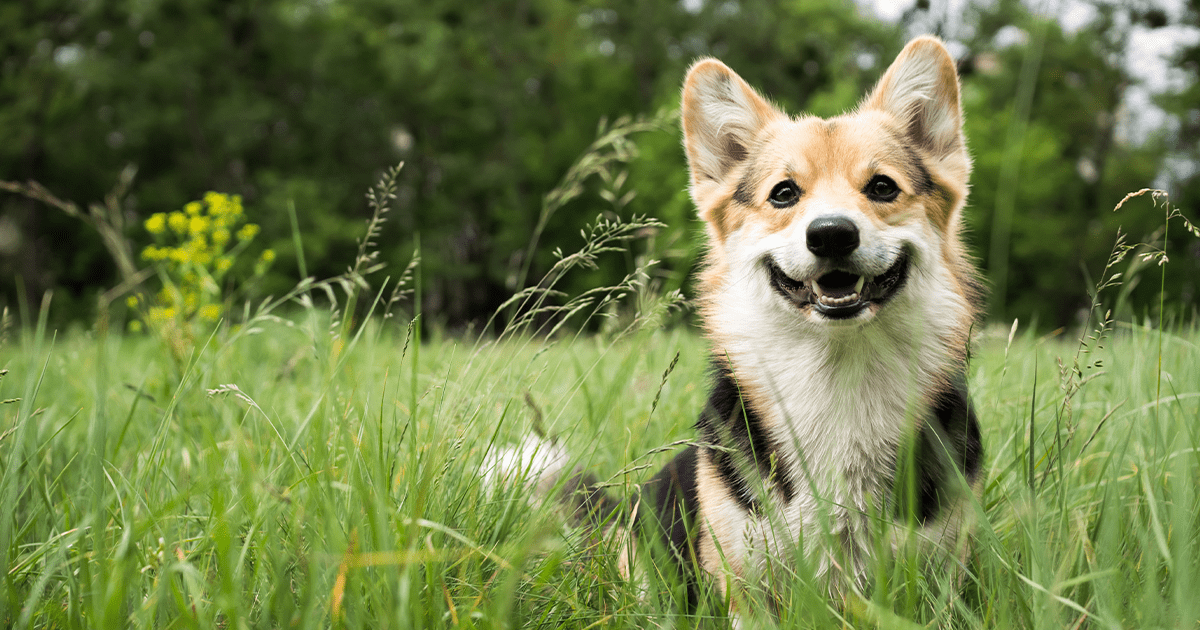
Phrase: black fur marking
pixel 950 439
pixel 728 422
pixel 589 500
pixel 744 194
pixel 673 495
pixel 921 180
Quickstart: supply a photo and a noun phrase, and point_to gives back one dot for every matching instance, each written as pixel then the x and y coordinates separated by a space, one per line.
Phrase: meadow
pixel 318 460
pixel 292 474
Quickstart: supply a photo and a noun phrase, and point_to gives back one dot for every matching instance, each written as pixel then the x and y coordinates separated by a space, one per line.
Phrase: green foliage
pixel 1050 165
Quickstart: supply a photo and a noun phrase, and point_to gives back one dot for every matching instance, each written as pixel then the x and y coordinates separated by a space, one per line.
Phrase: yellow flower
pixel 131 301
pixel 220 236
pixel 198 250
pixel 178 222
pixel 155 254
pixel 135 326
pixel 162 314
pixel 248 231
pixel 224 263
pixel 157 223
pixel 198 225
pixel 268 255
pixel 210 312
pixel 193 208
pixel 220 204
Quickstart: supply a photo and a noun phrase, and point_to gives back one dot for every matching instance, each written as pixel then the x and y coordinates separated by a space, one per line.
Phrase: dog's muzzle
pixel 841 293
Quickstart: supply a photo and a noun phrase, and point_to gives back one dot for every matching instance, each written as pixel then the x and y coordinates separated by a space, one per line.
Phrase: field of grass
pixel 294 478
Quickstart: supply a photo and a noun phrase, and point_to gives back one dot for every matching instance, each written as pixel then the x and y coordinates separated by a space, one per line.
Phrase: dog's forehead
pixel 816 147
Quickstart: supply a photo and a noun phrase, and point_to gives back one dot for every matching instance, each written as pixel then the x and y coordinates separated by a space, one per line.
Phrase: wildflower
pixel 157 223
pixel 191 256
pixel 178 222
pixel 160 314
pixel 135 326
pixel 198 250
pixel 210 312
pixel 248 231
pixel 198 225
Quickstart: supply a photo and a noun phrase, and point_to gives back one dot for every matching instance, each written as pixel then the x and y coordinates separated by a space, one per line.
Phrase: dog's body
pixel 839 302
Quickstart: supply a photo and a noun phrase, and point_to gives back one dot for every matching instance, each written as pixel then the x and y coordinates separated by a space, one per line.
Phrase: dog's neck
pixel 839 399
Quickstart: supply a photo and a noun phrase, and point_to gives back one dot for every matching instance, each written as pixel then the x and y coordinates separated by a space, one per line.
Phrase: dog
pixel 839 302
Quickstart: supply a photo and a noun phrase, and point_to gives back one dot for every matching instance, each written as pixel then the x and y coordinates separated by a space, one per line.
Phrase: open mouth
pixel 840 294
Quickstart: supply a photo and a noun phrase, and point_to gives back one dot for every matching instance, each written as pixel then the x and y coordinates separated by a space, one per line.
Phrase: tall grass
pixel 321 469
pixel 271 485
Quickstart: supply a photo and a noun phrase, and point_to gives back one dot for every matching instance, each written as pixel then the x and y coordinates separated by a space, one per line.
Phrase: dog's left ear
pixel 921 89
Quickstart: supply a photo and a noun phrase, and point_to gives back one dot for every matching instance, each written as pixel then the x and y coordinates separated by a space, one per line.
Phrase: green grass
pixel 324 484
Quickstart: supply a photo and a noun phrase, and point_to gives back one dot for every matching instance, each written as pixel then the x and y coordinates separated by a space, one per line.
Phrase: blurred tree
pixel 289 101
pixel 1183 163
pixel 301 103
pixel 1042 111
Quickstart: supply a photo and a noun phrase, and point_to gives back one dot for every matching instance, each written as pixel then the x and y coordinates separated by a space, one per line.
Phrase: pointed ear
pixel 921 89
pixel 721 117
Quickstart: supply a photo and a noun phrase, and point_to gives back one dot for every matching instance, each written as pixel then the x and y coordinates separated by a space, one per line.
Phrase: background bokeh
pixel 304 103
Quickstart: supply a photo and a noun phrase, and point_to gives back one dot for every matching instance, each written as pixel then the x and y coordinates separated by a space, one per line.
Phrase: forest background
pixel 299 105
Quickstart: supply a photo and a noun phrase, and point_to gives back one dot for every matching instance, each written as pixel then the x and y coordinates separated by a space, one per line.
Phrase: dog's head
pixel 830 221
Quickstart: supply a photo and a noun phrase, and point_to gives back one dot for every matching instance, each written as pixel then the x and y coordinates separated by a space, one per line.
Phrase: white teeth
pixel 828 300
pixel 847 299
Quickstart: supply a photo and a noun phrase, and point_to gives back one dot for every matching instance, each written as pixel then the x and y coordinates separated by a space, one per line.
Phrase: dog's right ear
pixel 721 117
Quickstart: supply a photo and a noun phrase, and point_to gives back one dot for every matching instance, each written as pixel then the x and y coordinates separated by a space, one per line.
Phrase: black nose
pixel 830 237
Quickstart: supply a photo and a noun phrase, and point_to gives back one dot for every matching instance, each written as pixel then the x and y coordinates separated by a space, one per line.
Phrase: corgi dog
pixel 838 300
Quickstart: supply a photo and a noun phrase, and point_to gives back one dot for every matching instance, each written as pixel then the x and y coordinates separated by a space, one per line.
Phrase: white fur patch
pixel 535 462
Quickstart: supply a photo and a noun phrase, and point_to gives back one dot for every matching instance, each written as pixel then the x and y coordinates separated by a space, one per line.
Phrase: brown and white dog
pixel 839 301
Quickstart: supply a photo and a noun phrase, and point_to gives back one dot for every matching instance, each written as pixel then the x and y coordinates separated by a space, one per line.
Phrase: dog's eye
pixel 882 188
pixel 785 194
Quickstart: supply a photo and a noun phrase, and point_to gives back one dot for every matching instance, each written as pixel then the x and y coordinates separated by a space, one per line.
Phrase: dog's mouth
pixel 840 294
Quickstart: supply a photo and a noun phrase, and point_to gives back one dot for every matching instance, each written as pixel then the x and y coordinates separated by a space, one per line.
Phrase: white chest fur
pixel 837 401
